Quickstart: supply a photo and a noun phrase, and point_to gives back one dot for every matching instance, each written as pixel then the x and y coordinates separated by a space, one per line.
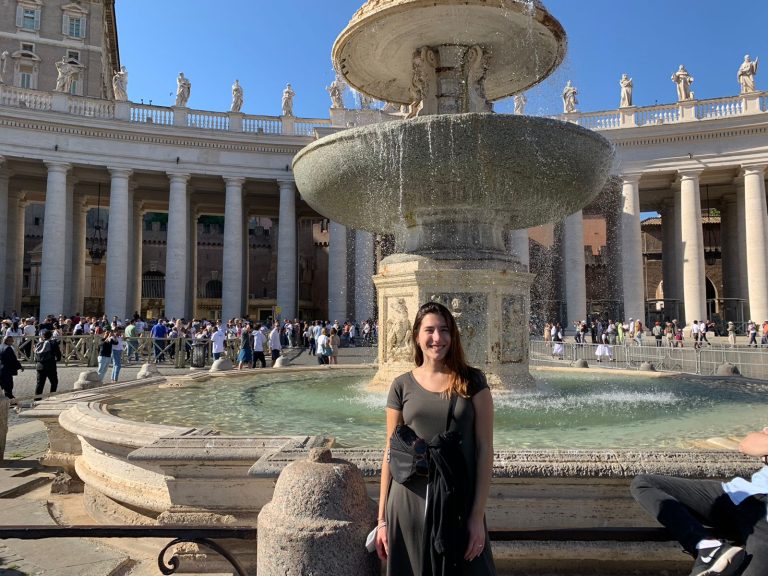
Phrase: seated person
pixel 706 515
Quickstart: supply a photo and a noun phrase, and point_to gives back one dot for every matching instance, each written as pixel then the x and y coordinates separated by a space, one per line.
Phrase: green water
pixel 563 411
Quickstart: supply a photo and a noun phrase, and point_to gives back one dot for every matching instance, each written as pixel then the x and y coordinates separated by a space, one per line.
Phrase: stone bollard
pixel 581 363
pixel 87 380
pixel 4 404
pixel 647 367
pixel 317 521
pixel 221 365
pixel 728 369
pixel 148 370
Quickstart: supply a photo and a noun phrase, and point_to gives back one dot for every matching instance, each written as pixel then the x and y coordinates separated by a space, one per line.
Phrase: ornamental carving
pixel 514 330
pixel 471 314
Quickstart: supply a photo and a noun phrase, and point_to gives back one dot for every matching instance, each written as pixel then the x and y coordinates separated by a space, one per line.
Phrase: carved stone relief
pixel 471 314
pixel 514 330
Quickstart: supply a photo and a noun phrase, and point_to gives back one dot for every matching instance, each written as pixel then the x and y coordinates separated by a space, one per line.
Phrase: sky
pixel 268 43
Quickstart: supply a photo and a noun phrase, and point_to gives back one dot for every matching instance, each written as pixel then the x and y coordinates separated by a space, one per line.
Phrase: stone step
pixel 21 477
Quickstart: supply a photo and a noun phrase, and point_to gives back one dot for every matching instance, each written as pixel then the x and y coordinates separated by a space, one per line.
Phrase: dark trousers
pixel 694 510
pixel 658 342
pixel 260 357
pixel 275 356
pixel 48 372
pixel 323 359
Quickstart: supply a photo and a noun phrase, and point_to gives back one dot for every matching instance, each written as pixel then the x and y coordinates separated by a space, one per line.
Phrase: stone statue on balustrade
pixel 288 95
pixel 120 84
pixel 366 102
pixel 569 98
pixel 746 75
pixel 626 91
pixel 336 92
pixel 423 83
pixel 520 102
pixel 683 80
pixel 237 97
pixel 3 61
pixel 67 75
pixel 183 90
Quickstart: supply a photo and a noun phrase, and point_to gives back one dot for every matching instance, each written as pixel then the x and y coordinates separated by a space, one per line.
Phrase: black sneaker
pixel 723 560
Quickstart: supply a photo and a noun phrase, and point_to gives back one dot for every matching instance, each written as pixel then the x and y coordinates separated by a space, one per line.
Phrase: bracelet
pixel 381 525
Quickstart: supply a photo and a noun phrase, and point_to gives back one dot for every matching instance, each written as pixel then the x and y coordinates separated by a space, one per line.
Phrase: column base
pixel 490 300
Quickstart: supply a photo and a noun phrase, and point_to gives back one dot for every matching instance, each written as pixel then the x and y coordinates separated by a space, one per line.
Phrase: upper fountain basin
pixel 519 171
pixel 375 52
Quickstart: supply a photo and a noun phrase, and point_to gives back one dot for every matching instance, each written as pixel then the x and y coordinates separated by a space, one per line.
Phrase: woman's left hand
pixel 476 543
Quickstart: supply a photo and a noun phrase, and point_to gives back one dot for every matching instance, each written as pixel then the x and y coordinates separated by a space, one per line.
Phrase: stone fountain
pixel 452 179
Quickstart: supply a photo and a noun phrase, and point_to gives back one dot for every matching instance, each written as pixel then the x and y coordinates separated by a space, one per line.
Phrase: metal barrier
pixel 751 362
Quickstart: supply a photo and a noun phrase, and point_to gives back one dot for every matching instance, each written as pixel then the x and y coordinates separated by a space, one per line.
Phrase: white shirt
pixel 258 341
pixel 739 489
pixel 274 339
pixel 218 340
pixel 695 329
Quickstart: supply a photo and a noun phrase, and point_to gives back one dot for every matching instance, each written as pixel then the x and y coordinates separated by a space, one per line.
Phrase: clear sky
pixel 267 43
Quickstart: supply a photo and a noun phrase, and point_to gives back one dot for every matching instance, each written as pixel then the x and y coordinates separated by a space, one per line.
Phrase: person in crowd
pixel 324 349
pixel 9 367
pixel 752 332
pixel 158 334
pixel 245 356
pixel 132 341
pixel 275 346
pixel 105 353
pixel 658 334
pixel 558 349
pixel 117 353
pixel 679 338
pixel 335 342
pixel 28 337
pixel 441 387
pixel 219 339
pixel 706 516
pixel 732 334
pixel 47 354
pixel 259 340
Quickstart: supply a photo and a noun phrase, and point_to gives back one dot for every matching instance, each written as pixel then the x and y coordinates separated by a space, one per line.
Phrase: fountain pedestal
pixel 490 300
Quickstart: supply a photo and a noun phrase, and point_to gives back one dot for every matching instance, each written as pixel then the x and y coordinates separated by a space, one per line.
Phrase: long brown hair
pixel 455 360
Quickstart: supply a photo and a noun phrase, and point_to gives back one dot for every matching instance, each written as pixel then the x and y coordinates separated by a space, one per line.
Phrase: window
pixel 28 47
pixel 26 77
pixel 27 18
pixel 73 55
pixel 73 23
pixel 75 27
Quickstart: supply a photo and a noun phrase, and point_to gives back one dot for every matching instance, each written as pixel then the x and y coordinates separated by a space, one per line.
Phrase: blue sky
pixel 267 43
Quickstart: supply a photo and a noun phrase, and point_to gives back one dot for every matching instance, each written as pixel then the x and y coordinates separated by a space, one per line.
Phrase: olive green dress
pixel 427 412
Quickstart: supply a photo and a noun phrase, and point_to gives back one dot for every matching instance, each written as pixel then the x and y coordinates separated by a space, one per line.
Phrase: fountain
pixel 453 178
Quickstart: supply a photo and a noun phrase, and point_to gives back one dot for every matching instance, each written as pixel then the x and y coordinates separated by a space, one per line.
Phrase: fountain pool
pixel 562 410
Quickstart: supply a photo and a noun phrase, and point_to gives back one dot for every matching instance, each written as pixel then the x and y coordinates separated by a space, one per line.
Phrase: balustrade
pixel 599 120
pixel 719 108
pixel 307 127
pixel 24 98
pixel 262 125
pixel 151 114
pixel 764 103
pixel 91 107
pixel 654 115
pixel 208 120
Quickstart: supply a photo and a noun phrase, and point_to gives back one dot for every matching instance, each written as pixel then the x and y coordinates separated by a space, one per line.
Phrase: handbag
pixel 408 454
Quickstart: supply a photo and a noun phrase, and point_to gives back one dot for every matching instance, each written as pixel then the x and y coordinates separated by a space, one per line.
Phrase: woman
pixel 324 349
pixel 105 354
pixel 9 367
pixel 421 399
pixel 335 342
pixel 117 353
pixel 246 348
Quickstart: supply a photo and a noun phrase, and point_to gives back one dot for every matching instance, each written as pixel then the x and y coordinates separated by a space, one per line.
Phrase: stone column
pixel 729 226
pixel 632 249
pixel 575 268
pixel 741 240
pixel 191 302
pixel 118 267
pixel 177 247
pixel 79 247
pixel 14 263
pixel 692 237
pixel 287 250
pixel 520 248
pixel 4 208
pixel 756 225
pixel 337 272
pixel 232 298
pixel 138 252
pixel 54 241
pixel 364 269
pixel 69 246
pixel 669 253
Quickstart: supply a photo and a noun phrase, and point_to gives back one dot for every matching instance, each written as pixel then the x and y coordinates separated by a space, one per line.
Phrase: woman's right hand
pixel 382 545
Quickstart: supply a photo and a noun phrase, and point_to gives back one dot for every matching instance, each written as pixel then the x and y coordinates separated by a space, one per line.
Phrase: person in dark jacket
pixel 47 354
pixel 418 536
pixel 9 366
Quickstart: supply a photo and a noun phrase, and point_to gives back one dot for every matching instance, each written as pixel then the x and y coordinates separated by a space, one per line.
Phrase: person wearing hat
pixel 732 334
pixel 9 367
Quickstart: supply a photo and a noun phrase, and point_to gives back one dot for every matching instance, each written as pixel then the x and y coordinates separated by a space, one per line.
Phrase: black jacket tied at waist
pixel 447 507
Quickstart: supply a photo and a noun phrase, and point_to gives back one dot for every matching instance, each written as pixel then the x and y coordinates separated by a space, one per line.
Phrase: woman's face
pixel 434 337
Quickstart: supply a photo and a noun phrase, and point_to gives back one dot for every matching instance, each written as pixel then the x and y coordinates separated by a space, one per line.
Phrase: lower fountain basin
pixel 414 177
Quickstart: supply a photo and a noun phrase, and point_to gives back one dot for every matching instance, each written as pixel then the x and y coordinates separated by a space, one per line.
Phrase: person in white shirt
pixel 219 338
pixel 117 353
pixel 259 339
pixel 702 513
pixel 274 342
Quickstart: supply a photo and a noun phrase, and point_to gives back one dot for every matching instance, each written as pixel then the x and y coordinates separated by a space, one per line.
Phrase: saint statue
pixel 183 89
pixel 120 84
pixel 237 97
pixel 683 81
pixel 3 60
pixel 336 92
pixel 569 98
pixel 626 91
pixel 520 102
pixel 288 95
pixel 67 75
pixel 746 75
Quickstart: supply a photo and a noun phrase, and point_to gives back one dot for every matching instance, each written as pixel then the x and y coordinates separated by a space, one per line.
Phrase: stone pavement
pixel 25 492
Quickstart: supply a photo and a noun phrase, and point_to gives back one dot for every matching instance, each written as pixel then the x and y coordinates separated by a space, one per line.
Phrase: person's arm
pixel 483 404
pixel 755 444
pixel 394 417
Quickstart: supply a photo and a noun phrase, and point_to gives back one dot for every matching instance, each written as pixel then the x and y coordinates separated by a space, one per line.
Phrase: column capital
pixel 62 167
pixel 631 178
pixel 690 173
pixel 753 169
pixel 286 184
pixel 234 180
pixel 120 172
pixel 182 177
